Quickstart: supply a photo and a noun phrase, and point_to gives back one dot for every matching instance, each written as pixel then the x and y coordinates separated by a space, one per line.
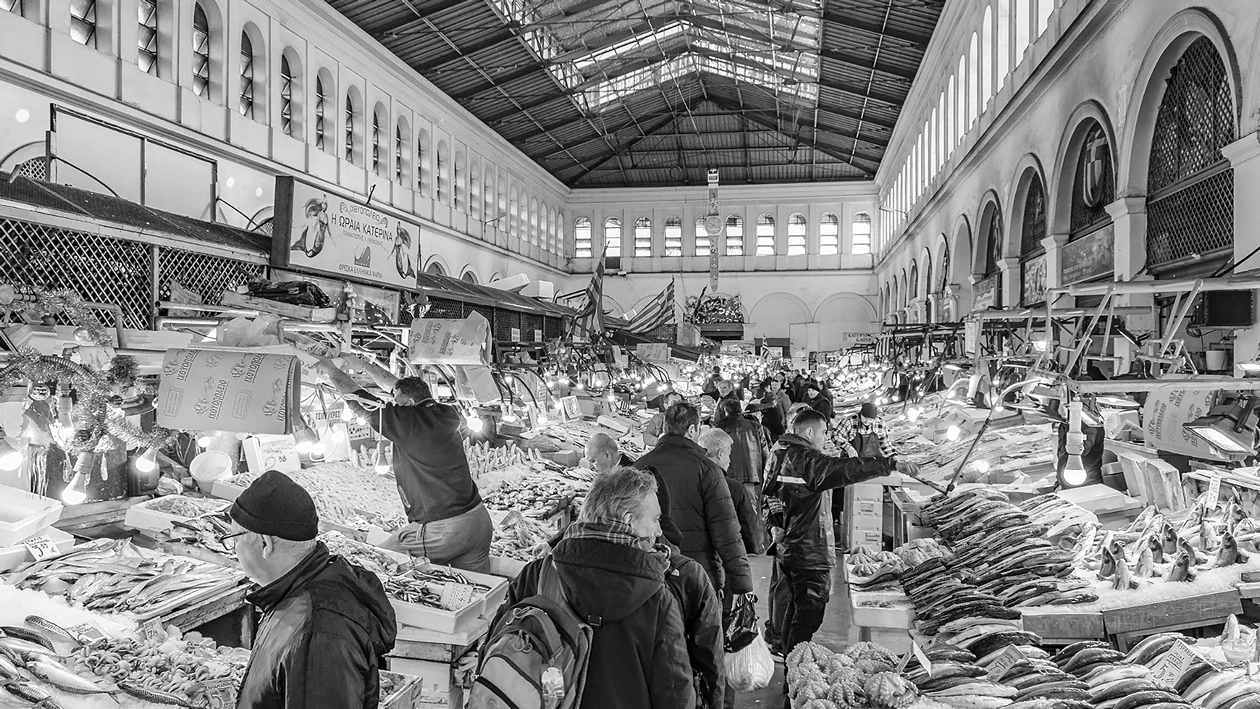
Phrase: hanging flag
pixel 660 311
pixel 591 316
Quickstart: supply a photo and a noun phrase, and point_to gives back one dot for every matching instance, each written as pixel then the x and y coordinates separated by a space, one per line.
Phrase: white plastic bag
pixel 750 669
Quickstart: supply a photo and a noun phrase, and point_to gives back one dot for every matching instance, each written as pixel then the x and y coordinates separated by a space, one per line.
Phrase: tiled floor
pixel 836 633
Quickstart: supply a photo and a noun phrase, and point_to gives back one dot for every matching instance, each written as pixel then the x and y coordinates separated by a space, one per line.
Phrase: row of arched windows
pixel 828 236
pixel 994 51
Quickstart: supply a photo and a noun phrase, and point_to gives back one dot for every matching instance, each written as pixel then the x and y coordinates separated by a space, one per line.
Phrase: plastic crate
pixel 24 514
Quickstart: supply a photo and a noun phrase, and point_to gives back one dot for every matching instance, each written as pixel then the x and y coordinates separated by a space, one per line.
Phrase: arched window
pixel 286 96
pixel 612 237
pixel 973 81
pixel 643 237
pixel 469 277
pixel 912 288
pixel 1023 28
pixel 1093 186
pixel 1044 9
pixel 400 151
pixel 377 166
pixel 201 52
pixel 960 124
pixel 704 243
pixel 444 180
pixel 1032 231
pixel 83 22
pixel 461 191
pixel 533 220
pixel 1003 42
pixel 796 235
pixel 435 269
pixel 734 235
pixel 673 236
pixel 944 267
pixel 765 235
pixel 986 57
pixel 424 171
pixel 351 118
pixel 861 233
pixel 993 242
pixel 146 37
pixel 582 238
pixel 951 135
pixel 1190 207
pixel 247 76
pixel 320 100
pixel 829 235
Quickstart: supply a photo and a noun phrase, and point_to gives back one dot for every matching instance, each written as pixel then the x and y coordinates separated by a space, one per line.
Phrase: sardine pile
pixel 115 576
pixel 534 494
pixel 184 506
pixel 347 495
pixel 516 535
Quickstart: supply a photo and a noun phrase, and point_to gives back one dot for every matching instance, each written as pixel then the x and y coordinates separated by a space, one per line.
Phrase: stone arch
pixel 469 275
pixel 1059 185
pixel 868 309
pixel 261 75
pixel 1148 90
pixel 925 272
pixel 439 262
pixel 1029 167
pixel 990 209
pixel 903 291
pixel 610 303
pixel 773 314
pixel 961 260
pixel 297 92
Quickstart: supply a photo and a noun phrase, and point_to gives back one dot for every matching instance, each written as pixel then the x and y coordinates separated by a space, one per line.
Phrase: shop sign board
pixel 1034 280
pixel 652 351
pixel 1089 257
pixel 316 230
pixel 986 293
pixel 1164 415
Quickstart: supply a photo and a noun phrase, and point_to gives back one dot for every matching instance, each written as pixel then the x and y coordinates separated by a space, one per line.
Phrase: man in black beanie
pixel 326 623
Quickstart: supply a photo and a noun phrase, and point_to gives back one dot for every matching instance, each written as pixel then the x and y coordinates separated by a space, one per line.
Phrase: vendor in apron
pixel 864 434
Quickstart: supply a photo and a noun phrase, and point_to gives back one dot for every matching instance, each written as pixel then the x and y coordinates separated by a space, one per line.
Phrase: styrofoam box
pixel 23 514
pixel 447 621
pixel 144 517
pixel 16 555
pixel 225 490
pixel 867 537
pixel 873 617
pixel 435 677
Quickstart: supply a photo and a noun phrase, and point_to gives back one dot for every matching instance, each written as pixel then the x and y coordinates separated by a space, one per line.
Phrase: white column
pixel 1242 156
pixel 1008 282
pixel 1128 215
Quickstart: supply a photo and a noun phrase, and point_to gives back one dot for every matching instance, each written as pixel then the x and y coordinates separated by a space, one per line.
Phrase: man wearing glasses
pixel 447 522
pixel 326 623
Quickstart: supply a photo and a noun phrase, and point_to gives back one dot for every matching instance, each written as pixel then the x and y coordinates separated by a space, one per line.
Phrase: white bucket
pixel 1216 359
pixel 208 467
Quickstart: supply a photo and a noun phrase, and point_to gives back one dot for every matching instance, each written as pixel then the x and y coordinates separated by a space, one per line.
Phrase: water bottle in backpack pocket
pixel 537 653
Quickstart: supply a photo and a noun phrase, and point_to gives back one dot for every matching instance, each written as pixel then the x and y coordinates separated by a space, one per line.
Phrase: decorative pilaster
pixel 1242 156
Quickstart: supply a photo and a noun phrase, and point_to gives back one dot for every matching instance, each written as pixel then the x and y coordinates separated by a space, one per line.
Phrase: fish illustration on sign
pixel 402 253
pixel 312 237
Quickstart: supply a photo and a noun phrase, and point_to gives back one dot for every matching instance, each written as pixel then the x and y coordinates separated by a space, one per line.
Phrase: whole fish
pixel 1170 539
pixel 29 693
pixel 1180 570
pixel 1156 549
pixel 1229 693
pixel 28 635
pixel 1211 682
pixel 1153 646
pixel 47 626
pixel 1108 564
pixel 63 679
pixel 1209 540
pixel 1146 563
pixel 24 648
pixel 1229 553
pixel 1124 577
pixel 154 696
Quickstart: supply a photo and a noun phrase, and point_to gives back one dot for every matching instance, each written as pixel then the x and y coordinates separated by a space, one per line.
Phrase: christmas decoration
pixel 48 304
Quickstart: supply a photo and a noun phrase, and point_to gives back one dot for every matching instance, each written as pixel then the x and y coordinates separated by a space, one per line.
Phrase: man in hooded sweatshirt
pixel 613 576
pixel 326 623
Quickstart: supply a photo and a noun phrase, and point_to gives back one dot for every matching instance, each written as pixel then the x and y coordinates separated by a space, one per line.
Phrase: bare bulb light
pixel 304 441
pixel 146 462
pixel 953 433
pixel 10 457
pixel 913 413
pixel 204 440
pixel 981 466
pixel 75 493
pixel 1074 474
pixel 475 424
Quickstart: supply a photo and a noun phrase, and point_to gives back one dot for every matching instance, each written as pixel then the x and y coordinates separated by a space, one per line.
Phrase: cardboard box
pixel 288 310
pixel 222 390
pixel 435 341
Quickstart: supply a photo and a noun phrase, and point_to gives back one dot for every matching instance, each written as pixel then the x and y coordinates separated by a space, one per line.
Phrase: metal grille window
pixel 398 155
pixel 146 37
pixel 582 238
pixel 673 236
pixel 913 286
pixel 734 235
pixel 704 244
pixel 861 233
pixel 206 275
pixel 612 237
pixel 993 243
pixel 1033 227
pixel 829 235
pixel 1094 186
pixel 247 76
pixel 349 146
pixel 765 235
pixel 83 22
pixel 945 268
pixel 376 143
pixel 1190 210
pixel 319 113
pixel 796 235
pixel 201 52
pixel 642 237
pixel 14 6
pixel 422 167
pixel 286 96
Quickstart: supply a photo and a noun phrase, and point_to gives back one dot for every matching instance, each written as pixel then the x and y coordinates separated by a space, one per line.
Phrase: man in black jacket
pixel 700 502
pixel 326 623
pixel 799 481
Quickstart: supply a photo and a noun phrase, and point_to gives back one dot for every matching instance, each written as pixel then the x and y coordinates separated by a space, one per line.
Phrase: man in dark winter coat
pixel 717 444
pixel 700 502
pixel 817 400
pixel 799 481
pixel 611 573
pixel 750 446
pixel 702 619
pixel 326 623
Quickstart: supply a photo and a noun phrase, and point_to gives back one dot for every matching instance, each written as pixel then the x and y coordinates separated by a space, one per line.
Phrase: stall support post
pixel 1008 281
pixel 1243 156
pixel 1128 215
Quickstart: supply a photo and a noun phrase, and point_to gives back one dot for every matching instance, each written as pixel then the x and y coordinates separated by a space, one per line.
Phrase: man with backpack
pixel 593 625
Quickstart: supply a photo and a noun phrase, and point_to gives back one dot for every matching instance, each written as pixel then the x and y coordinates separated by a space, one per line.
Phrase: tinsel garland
pixel 99 424
pixel 41 302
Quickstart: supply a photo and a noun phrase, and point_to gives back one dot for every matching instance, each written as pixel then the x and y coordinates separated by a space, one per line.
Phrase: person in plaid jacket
pixel 864 435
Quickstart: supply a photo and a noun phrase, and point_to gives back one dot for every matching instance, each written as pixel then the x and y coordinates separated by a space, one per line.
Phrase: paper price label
pixel 456 596
pixel 40 547
pixel 1213 493
pixel 1169 668
pixel 1003 664
pixel 153 631
pixel 87 631
pixel 221 692
pixel 921 657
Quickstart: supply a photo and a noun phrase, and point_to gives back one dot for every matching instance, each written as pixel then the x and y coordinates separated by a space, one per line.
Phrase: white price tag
pixel 87 631
pixel 221 692
pixel 1174 663
pixel 921 657
pixel 40 547
pixel 153 631
pixel 456 596
pixel 1213 493
pixel 1004 663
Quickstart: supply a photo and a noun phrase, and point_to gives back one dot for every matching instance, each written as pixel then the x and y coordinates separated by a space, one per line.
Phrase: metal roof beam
pixel 727 83
pixel 861 92
pixel 435 66
pixel 777 125
pixel 566 13
pixel 673 116
pixel 417 25
pixel 913 39
pixel 855 61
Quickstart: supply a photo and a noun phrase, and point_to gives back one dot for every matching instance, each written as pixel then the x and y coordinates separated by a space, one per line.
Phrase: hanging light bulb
pixel 913 413
pixel 146 462
pixel 981 466
pixel 10 457
pixel 304 441
pixel 475 424
pixel 347 414
pixel 542 419
pixel 953 433
pixel 382 457
pixel 204 440
pixel 75 493
pixel 612 398
pixel 1074 474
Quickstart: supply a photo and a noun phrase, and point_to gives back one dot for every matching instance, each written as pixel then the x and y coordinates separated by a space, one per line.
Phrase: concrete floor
pixel 837 632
